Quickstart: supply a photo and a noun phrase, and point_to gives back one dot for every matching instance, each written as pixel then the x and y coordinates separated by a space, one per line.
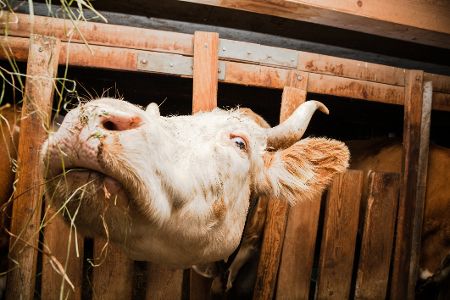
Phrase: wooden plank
pixel 402 286
pixel 441 83
pixel 277 211
pixel 339 236
pixel 297 257
pixel 418 21
pixel 113 277
pixel 349 68
pixel 100 34
pixel 378 236
pixel 163 283
pixel 60 242
pixel 204 98
pixel 206 67
pixel 26 212
pixel 237 73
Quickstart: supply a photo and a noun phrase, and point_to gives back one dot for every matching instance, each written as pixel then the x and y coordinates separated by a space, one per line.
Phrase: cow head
pixel 176 190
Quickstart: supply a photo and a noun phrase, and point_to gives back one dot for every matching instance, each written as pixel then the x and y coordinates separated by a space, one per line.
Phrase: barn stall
pixel 335 247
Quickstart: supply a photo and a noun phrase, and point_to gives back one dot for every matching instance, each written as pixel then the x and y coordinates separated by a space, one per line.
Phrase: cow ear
pixel 303 170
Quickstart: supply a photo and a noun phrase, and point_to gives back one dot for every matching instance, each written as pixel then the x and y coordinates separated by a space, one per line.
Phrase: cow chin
pixel 96 204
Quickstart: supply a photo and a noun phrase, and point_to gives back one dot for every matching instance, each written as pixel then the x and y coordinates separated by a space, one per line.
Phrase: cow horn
pixel 292 129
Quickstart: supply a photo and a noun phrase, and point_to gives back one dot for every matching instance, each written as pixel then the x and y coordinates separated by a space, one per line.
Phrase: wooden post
pixel 26 213
pixel 204 98
pixel 378 236
pixel 412 192
pixel 277 211
pixel 339 236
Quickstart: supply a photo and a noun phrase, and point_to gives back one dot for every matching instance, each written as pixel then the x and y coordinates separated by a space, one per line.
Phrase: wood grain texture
pixel 61 244
pixel 27 199
pixel 277 211
pixel 378 236
pixel 339 236
pixel 402 286
pixel 163 283
pixel 294 277
pixel 417 21
pixel 206 67
pixel 113 278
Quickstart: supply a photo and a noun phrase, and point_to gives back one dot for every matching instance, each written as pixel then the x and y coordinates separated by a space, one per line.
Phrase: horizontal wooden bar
pixel 441 83
pixel 234 72
pixel 424 22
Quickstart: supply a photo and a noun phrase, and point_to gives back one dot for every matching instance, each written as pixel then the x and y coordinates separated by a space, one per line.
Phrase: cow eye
pixel 239 142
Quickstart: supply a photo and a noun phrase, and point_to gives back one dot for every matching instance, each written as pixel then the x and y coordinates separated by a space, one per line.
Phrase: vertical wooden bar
pixel 164 283
pixel 204 98
pixel 61 247
pixel 113 278
pixel 339 236
pixel 300 237
pixel 206 71
pixel 26 212
pixel 378 236
pixel 277 211
pixel 411 195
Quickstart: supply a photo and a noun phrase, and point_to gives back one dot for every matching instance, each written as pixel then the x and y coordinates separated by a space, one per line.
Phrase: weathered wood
pixel 163 283
pixel 378 236
pixel 206 67
pixel 277 211
pixel 418 21
pixel 112 278
pixel 441 83
pixel 402 286
pixel 60 242
pixel 339 236
pixel 297 258
pixel 349 68
pixel 26 212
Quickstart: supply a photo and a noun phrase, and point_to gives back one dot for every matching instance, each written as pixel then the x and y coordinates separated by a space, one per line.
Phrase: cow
pixel 385 155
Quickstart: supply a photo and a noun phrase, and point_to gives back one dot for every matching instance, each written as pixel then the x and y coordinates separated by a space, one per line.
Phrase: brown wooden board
pixel 26 213
pixel 204 98
pixel 277 211
pixel 378 236
pixel 59 242
pixel 411 199
pixel 112 276
pixel 163 283
pixel 339 236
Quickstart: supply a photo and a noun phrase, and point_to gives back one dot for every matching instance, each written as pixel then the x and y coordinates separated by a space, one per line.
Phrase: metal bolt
pixel 299 77
pixel 268 56
pixel 144 61
pixel 40 49
pixel 248 53
pixel 171 65
pixel 224 49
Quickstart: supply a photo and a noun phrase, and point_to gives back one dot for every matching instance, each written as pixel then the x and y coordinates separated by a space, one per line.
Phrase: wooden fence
pixel 289 241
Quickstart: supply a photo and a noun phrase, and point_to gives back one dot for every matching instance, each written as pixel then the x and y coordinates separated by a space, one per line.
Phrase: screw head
pixel 144 61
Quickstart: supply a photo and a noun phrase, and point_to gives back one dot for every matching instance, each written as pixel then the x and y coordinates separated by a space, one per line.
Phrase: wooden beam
pixel 378 236
pixel 417 21
pixel 411 192
pixel 206 71
pixel 248 74
pixel 339 236
pixel 26 212
pixel 277 211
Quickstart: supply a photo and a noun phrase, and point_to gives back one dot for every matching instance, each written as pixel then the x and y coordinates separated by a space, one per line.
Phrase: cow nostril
pixel 108 125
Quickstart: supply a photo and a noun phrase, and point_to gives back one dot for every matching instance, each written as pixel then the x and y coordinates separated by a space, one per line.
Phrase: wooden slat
pixel 36 112
pixel 238 73
pixel 204 98
pixel 411 197
pixel 113 277
pixel 277 211
pixel 163 283
pixel 297 258
pixel 349 68
pixel 58 244
pixel 417 21
pixel 206 67
pixel 378 236
pixel 339 236
pixel 441 83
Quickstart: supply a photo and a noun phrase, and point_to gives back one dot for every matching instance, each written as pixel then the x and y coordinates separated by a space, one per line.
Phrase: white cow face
pixel 176 190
